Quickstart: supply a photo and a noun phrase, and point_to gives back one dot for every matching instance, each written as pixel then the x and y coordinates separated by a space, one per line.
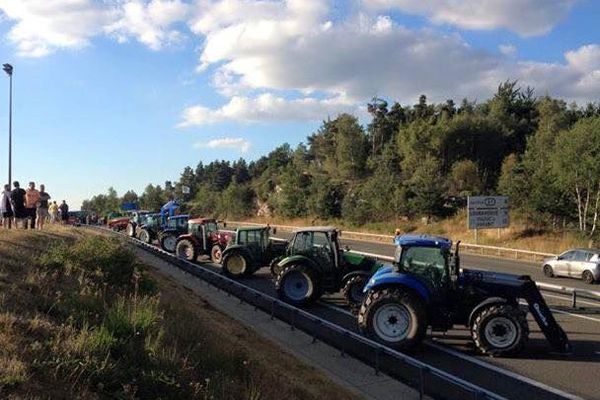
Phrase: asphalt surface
pixel 536 373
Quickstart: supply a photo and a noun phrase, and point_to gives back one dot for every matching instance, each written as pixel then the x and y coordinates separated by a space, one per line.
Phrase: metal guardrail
pixel 505 252
pixel 427 380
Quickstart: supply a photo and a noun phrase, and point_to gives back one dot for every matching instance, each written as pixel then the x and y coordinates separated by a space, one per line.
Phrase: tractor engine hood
pixel 471 276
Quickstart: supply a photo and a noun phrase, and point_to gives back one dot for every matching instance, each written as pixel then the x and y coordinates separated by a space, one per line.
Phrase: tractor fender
pixel 387 277
pixel 298 259
pixel 352 274
pixel 486 303
pixel 188 236
pixel 237 248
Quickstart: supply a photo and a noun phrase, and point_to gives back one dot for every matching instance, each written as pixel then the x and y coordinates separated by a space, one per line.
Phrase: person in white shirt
pixel 6 212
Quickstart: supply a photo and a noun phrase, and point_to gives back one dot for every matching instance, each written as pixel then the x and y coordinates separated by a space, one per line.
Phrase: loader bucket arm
pixel 544 317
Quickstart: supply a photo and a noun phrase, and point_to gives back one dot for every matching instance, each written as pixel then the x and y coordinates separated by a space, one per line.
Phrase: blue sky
pixel 123 93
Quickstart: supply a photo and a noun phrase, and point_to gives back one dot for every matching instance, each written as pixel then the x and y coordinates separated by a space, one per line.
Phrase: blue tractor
pixel 425 287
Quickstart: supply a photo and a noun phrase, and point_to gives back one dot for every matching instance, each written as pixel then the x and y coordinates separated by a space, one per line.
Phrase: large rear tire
pixel 500 330
pixel 297 284
pixel 216 254
pixel 168 242
pixel 144 236
pixel 130 230
pixel 393 317
pixel 235 265
pixel 185 249
pixel 353 291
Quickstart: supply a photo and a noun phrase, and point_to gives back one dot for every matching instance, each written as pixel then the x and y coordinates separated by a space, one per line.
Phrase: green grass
pixel 80 317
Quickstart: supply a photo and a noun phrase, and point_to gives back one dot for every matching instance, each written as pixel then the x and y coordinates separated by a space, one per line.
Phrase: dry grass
pixel 518 236
pixel 80 318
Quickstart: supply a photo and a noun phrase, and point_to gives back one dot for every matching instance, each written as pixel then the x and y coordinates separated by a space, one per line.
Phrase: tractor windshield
pixel 194 229
pixel 316 245
pixel 211 227
pixel 252 237
pixel 426 262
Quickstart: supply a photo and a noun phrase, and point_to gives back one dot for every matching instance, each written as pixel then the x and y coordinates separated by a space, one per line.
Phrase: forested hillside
pixel 421 160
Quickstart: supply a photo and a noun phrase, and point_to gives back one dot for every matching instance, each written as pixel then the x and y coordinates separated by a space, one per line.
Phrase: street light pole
pixel 9 70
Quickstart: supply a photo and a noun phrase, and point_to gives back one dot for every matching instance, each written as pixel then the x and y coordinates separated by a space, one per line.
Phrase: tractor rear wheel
pixel 185 249
pixel 296 284
pixel 500 330
pixel 216 254
pixel 130 230
pixel 168 242
pixel 235 265
pixel 393 317
pixel 353 291
pixel 144 236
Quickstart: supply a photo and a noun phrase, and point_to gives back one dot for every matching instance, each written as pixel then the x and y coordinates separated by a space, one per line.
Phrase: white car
pixel 583 264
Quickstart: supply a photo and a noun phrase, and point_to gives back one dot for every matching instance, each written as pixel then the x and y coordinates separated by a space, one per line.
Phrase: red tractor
pixel 203 238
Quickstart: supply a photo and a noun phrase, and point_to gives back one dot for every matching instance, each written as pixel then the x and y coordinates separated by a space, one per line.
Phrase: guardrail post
pixel 377 352
pixel 273 310
pixel 422 372
pixel 315 331
pixel 477 395
pixel 574 299
pixel 293 324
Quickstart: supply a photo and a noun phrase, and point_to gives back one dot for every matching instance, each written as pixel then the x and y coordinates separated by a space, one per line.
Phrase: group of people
pixel 30 208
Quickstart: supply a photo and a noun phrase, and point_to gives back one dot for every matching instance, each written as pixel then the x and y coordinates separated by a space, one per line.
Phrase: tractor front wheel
pixel 130 230
pixel 353 291
pixel 185 249
pixel 235 265
pixel 500 330
pixel 297 284
pixel 216 254
pixel 393 317
pixel 168 243
pixel 144 236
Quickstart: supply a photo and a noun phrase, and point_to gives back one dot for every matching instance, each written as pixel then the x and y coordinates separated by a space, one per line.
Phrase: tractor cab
pixel 319 244
pixel 203 229
pixel 250 249
pixel 426 258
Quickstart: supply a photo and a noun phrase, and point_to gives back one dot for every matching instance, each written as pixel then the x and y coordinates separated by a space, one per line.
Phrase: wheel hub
pixel 297 286
pixel 500 332
pixel 392 322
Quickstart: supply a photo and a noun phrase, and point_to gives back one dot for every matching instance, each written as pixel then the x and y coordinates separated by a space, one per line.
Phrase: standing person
pixel 397 236
pixel 64 212
pixel 42 210
pixel 17 201
pixel 53 210
pixel 32 200
pixel 6 211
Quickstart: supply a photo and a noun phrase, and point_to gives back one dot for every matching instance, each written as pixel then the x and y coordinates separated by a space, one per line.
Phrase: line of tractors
pixel 424 287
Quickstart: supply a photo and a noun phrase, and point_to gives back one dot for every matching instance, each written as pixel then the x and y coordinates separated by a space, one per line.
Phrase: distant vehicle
pixel 581 264
pixel 76 218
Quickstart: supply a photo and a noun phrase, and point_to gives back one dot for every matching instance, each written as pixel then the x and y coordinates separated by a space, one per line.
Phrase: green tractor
pixel 251 249
pixel 315 264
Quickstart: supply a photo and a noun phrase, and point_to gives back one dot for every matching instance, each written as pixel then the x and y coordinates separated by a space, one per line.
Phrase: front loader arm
pixel 544 317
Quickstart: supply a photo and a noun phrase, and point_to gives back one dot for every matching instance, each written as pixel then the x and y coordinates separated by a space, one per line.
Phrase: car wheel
pixel 548 271
pixel 588 277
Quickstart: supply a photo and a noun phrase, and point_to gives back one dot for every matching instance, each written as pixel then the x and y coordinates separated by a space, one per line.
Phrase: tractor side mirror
pixel 347 248
pixel 224 224
pixel 274 230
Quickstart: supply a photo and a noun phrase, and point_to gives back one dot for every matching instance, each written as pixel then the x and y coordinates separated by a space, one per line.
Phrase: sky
pixel 124 93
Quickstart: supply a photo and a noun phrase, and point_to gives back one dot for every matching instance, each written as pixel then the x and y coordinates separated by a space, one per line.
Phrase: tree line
pixel 409 161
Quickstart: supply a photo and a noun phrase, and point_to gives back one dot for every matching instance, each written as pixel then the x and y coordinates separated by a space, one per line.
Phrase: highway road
pixel 537 373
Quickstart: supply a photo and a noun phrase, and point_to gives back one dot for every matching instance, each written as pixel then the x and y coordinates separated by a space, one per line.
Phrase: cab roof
pixel 317 229
pixel 185 216
pixel 424 241
pixel 200 220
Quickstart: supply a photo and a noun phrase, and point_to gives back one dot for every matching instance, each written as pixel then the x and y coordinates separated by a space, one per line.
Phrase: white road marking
pixel 502 371
pixel 478 362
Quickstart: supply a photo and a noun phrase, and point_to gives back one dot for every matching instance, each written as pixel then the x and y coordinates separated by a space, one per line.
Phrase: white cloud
pixel 509 50
pixel 240 144
pixel 42 26
pixel 267 107
pixel 149 22
pixel 525 17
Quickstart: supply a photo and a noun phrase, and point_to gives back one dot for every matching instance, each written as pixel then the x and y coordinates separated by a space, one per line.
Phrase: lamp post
pixel 9 70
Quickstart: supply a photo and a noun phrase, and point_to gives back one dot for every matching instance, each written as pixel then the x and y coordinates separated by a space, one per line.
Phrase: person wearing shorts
pixel 32 202
pixel 42 210
pixel 17 201
pixel 6 212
